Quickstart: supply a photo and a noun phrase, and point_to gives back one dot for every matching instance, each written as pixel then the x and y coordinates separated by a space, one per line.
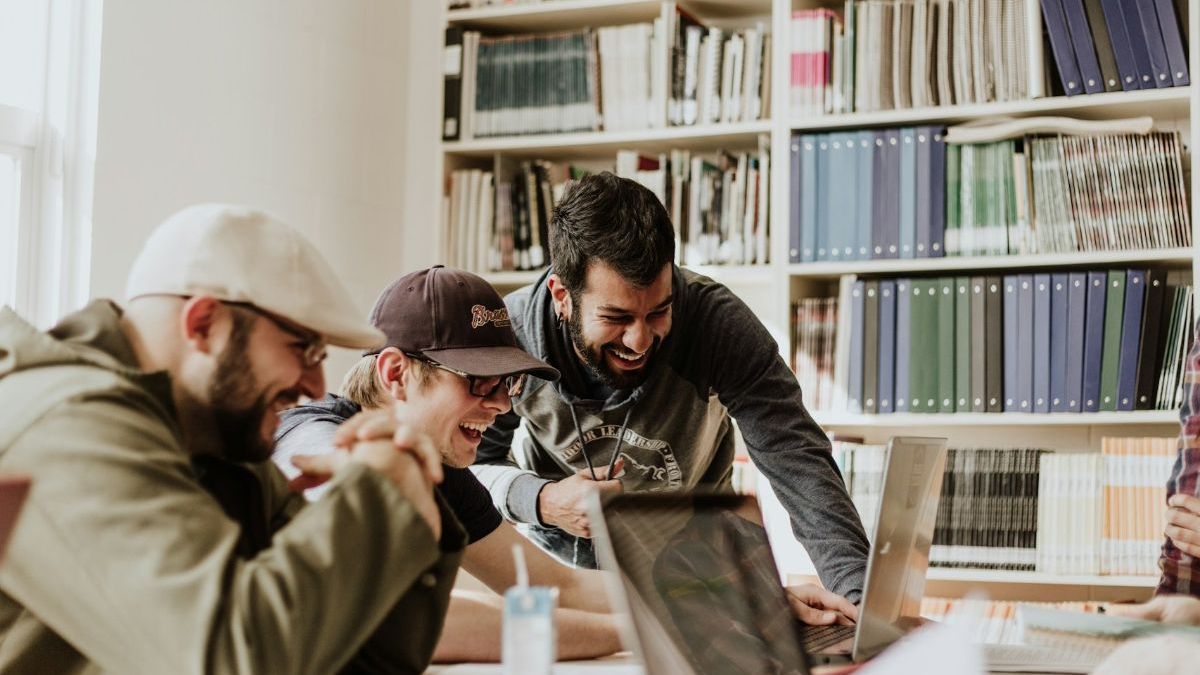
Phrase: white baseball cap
pixel 239 254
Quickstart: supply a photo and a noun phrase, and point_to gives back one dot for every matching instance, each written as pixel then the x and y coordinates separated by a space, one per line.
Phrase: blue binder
pixel 1137 42
pixel 1082 44
pixel 1011 400
pixel 1173 41
pixel 937 191
pixel 908 193
pixel 1060 44
pixel 855 385
pixel 1131 335
pixel 1025 343
pixel 1154 43
pixel 1114 21
pixel 1093 340
pixel 865 193
pixel 821 197
pixel 1041 343
pixel 808 198
pixel 883 201
pixel 887 345
pixel 794 209
pixel 903 344
pixel 1059 295
pixel 839 202
pixel 891 191
pixel 1077 304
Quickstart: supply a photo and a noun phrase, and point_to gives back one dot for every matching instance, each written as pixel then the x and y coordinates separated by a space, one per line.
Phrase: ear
pixel 198 320
pixel 390 367
pixel 560 296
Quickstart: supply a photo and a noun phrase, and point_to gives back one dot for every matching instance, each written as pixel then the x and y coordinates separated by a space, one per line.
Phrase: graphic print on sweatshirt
pixel 649 463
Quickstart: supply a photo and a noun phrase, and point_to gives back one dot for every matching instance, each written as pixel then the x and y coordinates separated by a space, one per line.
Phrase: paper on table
pixel 935 649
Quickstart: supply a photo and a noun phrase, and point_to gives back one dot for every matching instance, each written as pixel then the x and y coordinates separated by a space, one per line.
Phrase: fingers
pixel 821 599
pixel 1186 540
pixel 810 615
pixel 1150 611
pixel 1186 502
pixel 418 444
pixel 315 469
pixel 370 425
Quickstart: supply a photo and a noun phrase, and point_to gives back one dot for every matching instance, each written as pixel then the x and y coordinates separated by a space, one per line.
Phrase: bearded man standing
pixel 655 360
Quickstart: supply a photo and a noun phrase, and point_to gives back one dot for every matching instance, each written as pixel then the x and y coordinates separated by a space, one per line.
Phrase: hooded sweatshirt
pixel 718 361
pixel 135 555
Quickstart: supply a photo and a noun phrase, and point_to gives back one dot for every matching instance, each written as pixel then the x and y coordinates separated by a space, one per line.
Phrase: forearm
pixel 584 590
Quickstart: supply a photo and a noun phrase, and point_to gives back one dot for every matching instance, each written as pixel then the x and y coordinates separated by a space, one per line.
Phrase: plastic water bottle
pixel 529 645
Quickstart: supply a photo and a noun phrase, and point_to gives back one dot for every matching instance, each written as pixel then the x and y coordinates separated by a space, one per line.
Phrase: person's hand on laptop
pixel 816 606
pixel 1183 523
pixel 1165 608
pixel 564 503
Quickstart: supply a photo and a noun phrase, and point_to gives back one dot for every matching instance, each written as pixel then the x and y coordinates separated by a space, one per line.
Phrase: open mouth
pixel 626 360
pixel 472 431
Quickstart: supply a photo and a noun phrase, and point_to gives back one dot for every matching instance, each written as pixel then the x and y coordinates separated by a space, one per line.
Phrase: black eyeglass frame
pixel 514 383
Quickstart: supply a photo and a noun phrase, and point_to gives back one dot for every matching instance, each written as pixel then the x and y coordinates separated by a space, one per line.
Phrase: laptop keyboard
pixel 817 638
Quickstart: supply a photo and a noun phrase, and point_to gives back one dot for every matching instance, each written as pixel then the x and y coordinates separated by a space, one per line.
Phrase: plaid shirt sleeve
pixel 1180 571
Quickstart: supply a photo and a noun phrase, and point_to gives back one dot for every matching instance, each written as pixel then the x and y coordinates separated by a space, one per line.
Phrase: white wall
pixel 296 106
pixel 424 177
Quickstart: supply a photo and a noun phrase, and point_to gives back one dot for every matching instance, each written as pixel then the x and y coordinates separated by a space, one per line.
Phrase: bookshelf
pixel 771 288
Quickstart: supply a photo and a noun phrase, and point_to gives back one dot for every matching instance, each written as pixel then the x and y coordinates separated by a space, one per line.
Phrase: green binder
pixel 1113 315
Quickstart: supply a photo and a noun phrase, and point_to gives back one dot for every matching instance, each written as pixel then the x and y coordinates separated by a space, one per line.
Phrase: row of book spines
pixel 985 341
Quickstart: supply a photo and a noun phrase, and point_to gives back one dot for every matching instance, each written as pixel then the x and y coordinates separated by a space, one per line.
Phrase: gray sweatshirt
pixel 717 361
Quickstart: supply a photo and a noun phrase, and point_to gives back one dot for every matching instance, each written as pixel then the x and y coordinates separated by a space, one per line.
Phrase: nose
pixel 312 382
pixel 638 337
pixel 498 401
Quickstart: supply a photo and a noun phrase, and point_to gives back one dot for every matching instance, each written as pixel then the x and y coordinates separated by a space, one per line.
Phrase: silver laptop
pixel 699 583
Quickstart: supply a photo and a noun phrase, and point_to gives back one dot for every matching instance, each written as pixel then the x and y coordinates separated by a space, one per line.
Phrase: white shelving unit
pixel 770 289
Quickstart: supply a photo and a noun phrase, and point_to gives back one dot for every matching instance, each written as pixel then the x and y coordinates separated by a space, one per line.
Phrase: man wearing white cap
pixel 156 538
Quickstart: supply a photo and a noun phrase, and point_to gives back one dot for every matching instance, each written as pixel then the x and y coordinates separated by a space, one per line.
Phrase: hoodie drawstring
pixel 612 461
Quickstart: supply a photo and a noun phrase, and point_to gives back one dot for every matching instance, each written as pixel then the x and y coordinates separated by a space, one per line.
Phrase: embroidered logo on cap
pixel 481 316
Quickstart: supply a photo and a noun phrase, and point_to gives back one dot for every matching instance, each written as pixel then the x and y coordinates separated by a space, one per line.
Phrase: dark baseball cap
pixel 457 319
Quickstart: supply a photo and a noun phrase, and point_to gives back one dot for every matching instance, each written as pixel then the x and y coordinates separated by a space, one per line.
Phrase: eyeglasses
pixel 312 347
pixel 483 387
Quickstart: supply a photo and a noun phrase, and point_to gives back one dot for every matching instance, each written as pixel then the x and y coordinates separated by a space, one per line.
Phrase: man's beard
pixel 593 358
pixel 239 428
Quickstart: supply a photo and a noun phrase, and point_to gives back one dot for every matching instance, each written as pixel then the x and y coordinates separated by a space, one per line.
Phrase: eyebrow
pixel 611 309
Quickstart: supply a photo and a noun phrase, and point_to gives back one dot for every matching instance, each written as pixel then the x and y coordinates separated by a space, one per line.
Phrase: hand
pixel 391 423
pixel 563 504
pixel 1165 608
pixel 401 468
pixel 1183 523
pixel 816 606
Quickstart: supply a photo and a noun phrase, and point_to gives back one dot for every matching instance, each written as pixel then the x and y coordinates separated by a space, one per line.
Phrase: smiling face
pixel 617 327
pixel 440 404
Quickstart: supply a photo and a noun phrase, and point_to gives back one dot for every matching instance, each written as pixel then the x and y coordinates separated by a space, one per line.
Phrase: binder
pixel 962 344
pixel 1093 340
pixel 1104 47
pixel 1077 304
pixel 979 350
pixel 908 193
pixel 1173 40
pixel 1025 293
pixel 821 217
pixel 890 215
pixel 1113 314
pixel 1150 359
pixel 1137 43
pixel 857 324
pixel 452 70
pixel 1131 336
pixel 883 202
pixel 922 370
pixel 1041 343
pixel 1085 50
pixel 994 349
pixel 796 206
pixel 1061 47
pixel 1011 399
pixel 887 345
pixel 871 348
pixel 903 345
pixel 839 210
pixel 1159 67
pixel 937 191
pixel 1114 22
pixel 865 185
pixel 945 355
pixel 808 198
pixel 1059 296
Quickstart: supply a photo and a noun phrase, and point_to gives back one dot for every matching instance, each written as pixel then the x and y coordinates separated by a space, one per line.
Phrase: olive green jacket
pixel 126 560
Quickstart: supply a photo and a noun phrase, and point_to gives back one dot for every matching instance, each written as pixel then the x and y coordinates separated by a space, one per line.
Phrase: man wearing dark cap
pixel 448 366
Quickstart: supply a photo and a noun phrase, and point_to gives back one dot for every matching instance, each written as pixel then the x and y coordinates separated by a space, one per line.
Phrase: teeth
pixel 627 356
pixel 474 426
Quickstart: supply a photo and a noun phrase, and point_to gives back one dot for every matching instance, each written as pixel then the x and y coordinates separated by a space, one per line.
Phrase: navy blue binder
pixel 903 344
pixel 1093 340
pixel 1154 43
pixel 857 321
pixel 1131 337
pixel 1173 41
pixel 1025 343
pixel 1137 42
pixel 937 191
pixel 864 193
pixel 1011 401
pixel 887 345
pixel 1041 343
pixel 908 192
pixel 808 198
pixel 994 350
pixel 797 202
pixel 1082 44
pixel 1060 44
pixel 1059 295
pixel 1077 303
pixel 1114 21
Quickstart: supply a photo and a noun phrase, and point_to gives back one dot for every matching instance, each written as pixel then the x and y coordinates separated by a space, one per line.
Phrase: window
pixel 49 68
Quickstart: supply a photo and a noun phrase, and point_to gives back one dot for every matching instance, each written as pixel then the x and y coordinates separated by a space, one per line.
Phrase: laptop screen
pixel 700 576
